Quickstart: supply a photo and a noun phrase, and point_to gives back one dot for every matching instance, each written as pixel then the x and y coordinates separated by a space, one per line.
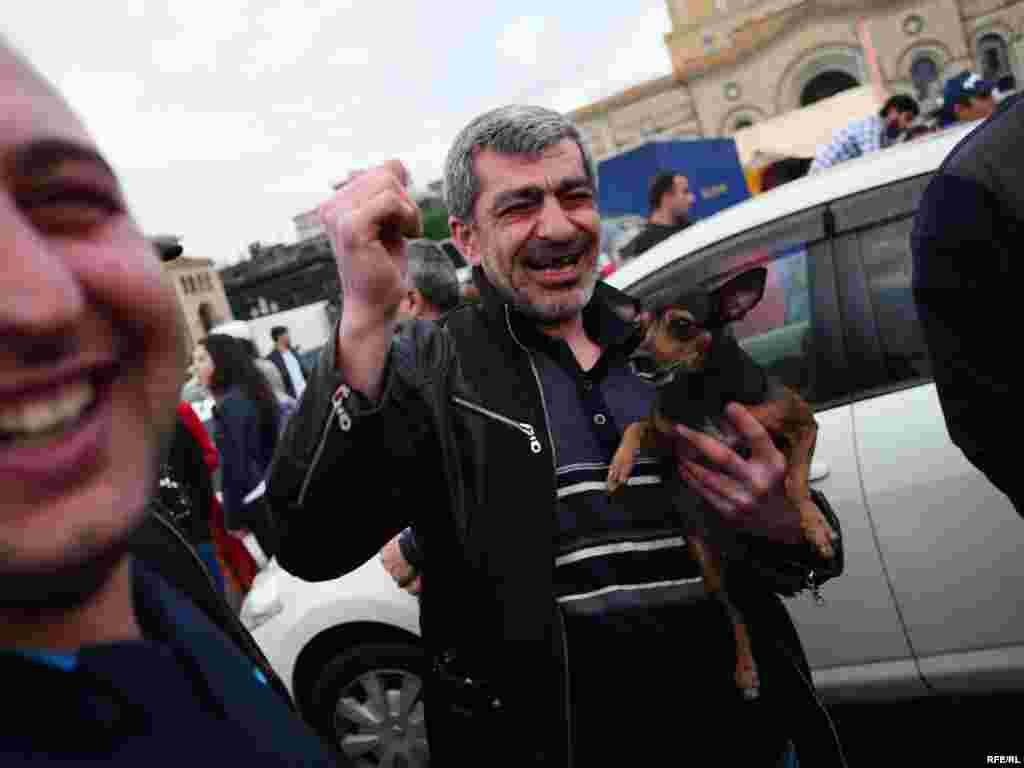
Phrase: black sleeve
pixel 961 274
pixel 349 474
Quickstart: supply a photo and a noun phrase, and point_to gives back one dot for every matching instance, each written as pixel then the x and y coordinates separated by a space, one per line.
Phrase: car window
pixel 886 203
pixel 794 332
pixel 887 259
pixel 691 269
pixel 777 332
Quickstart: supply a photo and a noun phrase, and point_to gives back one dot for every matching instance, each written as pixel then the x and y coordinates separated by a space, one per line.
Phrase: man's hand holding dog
pixel 749 494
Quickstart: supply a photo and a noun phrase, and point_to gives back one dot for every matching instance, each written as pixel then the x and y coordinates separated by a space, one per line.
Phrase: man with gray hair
pixel 562 626
pixel 433 286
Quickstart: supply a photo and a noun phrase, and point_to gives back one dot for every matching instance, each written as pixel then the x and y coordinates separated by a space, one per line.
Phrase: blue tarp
pixel 711 165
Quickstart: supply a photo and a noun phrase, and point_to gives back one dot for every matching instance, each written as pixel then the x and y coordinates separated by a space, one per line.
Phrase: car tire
pixel 367 703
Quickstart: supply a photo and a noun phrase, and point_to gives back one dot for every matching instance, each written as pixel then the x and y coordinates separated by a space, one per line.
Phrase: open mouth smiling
pixel 56 430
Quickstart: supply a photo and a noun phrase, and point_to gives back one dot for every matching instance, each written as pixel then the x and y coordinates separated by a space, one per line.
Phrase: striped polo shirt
pixel 650 658
pixel 616 557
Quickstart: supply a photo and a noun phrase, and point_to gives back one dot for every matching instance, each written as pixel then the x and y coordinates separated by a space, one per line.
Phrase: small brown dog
pixel 698 370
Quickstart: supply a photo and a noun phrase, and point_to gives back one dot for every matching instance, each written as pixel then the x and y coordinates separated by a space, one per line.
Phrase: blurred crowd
pixel 966 97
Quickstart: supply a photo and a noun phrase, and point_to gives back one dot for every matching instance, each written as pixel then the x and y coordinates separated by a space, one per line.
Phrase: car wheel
pixel 368 704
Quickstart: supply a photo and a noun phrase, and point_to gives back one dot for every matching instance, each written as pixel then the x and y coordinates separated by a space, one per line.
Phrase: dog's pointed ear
pixel 736 297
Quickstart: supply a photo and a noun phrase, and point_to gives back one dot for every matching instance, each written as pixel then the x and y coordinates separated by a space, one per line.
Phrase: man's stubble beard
pixel 552 314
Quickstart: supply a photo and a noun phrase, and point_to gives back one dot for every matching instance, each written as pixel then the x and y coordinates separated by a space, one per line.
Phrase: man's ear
pixel 465 238
pixel 415 301
pixel 735 298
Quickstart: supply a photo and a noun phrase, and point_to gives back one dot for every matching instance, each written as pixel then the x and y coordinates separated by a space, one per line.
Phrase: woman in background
pixel 246 418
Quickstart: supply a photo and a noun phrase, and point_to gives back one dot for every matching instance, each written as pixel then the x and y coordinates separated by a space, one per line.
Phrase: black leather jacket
pixel 458 446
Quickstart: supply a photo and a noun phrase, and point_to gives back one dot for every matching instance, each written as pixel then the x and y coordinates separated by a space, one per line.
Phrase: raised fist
pixel 367 223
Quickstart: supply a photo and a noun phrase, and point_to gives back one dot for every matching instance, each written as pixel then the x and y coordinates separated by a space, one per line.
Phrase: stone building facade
pixel 282 277
pixel 737 63
pixel 202 302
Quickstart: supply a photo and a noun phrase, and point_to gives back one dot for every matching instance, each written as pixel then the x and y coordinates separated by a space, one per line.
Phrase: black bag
pixel 789 576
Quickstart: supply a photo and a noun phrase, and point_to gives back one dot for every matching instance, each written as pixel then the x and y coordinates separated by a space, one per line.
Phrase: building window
pixel 924 72
pixel 742 122
pixel 913 25
pixel 993 57
pixel 825 85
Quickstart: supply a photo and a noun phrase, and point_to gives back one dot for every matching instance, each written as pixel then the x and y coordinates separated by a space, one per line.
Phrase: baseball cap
pixel 966 84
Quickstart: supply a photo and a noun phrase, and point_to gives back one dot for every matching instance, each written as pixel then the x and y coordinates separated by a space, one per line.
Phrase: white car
pixel 928 601
pixel 348 649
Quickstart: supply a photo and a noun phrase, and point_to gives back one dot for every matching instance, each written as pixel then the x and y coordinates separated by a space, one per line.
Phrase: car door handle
pixel 819 471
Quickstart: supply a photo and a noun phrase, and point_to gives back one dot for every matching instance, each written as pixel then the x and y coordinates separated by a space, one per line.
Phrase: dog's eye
pixel 682 328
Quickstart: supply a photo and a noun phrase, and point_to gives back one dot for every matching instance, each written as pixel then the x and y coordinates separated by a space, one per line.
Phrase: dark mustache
pixel 543 252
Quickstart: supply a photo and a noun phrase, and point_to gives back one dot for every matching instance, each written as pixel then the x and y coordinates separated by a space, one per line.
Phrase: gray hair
pixel 510 130
pixel 432 273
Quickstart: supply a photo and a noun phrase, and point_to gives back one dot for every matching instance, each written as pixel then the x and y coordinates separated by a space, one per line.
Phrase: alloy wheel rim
pixel 378 720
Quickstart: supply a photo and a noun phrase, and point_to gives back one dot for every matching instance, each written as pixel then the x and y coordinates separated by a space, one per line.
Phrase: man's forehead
pixel 554 164
pixel 30 109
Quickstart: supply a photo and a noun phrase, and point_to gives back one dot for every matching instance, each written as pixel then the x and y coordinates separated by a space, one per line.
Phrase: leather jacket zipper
pixel 554 468
pixel 523 427
pixel 568 689
pixel 809 686
pixel 540 388
pixel 338 412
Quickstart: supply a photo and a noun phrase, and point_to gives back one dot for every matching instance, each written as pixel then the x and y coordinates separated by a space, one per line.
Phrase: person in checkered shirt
pixel 869 135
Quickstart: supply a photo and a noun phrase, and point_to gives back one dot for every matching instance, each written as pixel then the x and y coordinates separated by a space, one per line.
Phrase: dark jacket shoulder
pixel 159 545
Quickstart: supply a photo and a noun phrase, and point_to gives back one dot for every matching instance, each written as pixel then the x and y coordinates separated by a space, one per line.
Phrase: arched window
pixel 924 72
pixel 826 84
pixel 206 319
pixel 744 121
pixel 993 57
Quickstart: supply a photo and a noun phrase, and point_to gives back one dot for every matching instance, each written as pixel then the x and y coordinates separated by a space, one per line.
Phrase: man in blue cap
pixel 966 98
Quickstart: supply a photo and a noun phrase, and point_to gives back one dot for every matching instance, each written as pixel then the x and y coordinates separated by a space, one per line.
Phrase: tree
pixel 435 224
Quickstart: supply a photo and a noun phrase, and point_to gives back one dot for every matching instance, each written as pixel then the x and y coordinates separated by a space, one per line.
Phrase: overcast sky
pixel 225 118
